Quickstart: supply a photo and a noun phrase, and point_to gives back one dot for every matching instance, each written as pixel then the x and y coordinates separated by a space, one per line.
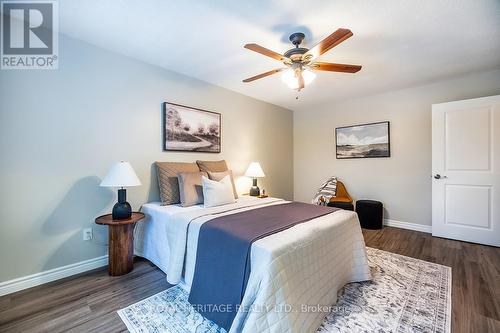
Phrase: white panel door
pixel 466 170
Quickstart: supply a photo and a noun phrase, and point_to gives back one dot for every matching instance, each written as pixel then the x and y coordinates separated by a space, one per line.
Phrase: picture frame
pixel 371 140
pixel 189 129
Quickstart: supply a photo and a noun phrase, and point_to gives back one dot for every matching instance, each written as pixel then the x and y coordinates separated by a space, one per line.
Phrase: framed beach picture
pixel 363 141
pixel 190 129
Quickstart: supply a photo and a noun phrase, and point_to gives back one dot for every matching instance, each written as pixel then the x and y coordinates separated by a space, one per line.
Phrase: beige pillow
pixel 217 176
pixel 213 166
pixel 167 179
pixel 190 188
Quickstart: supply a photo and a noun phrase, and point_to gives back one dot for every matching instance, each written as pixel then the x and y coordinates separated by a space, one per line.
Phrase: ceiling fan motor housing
pixel 296 53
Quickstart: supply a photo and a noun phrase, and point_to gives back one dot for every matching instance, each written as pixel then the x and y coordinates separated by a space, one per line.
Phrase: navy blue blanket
pixel 223 255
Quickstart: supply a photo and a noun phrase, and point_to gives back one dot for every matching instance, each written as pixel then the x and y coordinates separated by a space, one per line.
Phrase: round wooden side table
pixel 121 242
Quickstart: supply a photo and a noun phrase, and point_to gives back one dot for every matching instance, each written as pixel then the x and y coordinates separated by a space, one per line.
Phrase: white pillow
pixel 216 193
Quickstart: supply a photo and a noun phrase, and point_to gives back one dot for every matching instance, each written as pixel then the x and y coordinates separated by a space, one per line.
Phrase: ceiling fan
pixel 300 60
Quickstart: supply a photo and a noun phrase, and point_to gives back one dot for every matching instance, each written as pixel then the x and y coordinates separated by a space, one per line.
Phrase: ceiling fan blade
pixel 326 44
pixel 262 50
pixel 298 73
pixel 331 67
pixel 260 76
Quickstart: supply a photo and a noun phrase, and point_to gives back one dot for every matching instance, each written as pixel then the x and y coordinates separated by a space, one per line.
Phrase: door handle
pixel 438 176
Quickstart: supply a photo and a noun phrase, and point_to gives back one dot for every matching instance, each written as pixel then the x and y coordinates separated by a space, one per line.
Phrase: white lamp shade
pixel 254 170
pixel 121 174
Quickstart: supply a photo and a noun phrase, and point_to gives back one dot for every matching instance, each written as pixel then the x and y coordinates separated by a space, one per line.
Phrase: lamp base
pixel 254 190
pixel 122 209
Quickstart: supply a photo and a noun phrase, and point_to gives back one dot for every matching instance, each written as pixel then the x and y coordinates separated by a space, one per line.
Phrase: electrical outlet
pixel 87 234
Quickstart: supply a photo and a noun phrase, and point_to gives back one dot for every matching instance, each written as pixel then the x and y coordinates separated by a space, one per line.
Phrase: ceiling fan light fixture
pixel 292 81
pixel 308 76
pixel 289 78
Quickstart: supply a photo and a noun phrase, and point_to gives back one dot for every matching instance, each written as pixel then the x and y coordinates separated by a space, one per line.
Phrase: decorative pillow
pixel 190 188
pixel 217 176
pixel 167 179
pixel 217 193
pixel 213 166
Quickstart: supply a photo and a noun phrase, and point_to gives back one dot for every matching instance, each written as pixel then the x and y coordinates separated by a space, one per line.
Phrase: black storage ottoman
pixel 370 213
pixel 342 205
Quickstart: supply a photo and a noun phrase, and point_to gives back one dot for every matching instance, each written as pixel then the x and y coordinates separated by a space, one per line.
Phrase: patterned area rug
pixel 406 295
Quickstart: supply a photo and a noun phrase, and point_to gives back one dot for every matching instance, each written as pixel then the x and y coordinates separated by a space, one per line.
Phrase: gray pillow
pixel 190 188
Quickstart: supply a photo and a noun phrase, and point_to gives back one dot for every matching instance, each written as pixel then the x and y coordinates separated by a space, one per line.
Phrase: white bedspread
pixel 295 274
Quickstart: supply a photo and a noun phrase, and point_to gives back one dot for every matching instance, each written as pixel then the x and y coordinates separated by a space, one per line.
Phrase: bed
pixel 295 274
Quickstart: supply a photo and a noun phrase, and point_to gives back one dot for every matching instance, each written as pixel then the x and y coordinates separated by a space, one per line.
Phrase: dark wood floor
pixel 88 302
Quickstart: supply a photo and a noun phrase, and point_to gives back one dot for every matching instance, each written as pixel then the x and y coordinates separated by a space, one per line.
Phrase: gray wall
pixel 61 130
pixel 402 182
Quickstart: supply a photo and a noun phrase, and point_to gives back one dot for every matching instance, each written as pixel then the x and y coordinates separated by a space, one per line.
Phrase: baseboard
pixel 37 279
pixel 408 225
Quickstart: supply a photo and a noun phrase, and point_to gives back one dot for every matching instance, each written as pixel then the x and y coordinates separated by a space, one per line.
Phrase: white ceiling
pixel 400 43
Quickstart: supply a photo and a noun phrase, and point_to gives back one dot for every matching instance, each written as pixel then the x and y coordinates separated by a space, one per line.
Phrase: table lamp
pixel 121 175
pixel 254 171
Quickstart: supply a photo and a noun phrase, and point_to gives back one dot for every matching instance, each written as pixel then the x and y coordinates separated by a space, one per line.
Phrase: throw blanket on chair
pixel 326 191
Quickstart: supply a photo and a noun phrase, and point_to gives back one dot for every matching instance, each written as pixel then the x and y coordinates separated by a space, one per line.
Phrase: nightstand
pixel 121 242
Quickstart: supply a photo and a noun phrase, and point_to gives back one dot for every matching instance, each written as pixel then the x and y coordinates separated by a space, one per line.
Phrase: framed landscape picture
pixel 363 141
pixel 190 129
